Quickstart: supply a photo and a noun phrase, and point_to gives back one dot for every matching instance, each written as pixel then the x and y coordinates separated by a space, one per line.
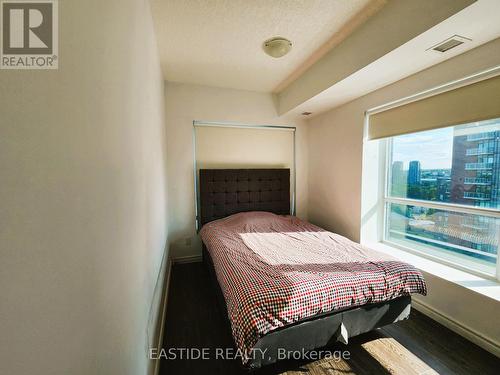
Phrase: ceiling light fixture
pixel 277 46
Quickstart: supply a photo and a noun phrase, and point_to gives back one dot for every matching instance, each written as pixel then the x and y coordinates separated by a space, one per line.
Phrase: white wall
pixel 186 103
pixel 335 177
pixel 83 220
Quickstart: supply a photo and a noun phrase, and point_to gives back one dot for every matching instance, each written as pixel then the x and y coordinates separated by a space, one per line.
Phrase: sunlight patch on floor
pixel 396 358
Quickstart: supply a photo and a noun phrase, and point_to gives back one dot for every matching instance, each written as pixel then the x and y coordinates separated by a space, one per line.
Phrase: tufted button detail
pixel 225 192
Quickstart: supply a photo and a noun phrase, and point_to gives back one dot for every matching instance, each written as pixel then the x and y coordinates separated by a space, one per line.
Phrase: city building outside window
pixel 443 194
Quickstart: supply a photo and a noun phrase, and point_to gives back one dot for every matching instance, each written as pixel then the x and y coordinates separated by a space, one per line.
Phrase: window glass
pixel 459 164
pixel 465 239
pixel 433 177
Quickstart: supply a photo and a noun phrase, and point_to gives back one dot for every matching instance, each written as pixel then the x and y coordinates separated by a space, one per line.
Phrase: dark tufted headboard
pixel 224 192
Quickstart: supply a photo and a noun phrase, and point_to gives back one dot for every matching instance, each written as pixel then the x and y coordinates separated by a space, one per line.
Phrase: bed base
pixel 321 330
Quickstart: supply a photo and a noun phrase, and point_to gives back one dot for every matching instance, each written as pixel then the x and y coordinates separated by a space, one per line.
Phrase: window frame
pixel 452 207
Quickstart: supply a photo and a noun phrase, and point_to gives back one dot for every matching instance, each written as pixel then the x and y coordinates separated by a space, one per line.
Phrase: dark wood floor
pixel 416 346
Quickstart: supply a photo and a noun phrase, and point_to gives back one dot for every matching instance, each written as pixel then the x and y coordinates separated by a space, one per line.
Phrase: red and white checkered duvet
pixel 275 270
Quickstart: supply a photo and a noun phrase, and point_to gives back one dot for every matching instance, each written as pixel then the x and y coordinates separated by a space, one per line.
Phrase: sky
pixel 432 148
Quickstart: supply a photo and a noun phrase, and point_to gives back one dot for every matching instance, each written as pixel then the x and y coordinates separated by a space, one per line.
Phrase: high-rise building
pixel 414 178
pixel 475 177
pixel 475 180
pixel 414 173
pixel 443 188
pixel 398 186
pixel 397 171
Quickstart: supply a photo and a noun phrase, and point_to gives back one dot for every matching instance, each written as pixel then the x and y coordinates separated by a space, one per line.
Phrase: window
pixel 443 194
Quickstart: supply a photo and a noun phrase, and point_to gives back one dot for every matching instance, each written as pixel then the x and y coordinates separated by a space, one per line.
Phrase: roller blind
pixel 228 147
pixel 474 102
pixel 246 147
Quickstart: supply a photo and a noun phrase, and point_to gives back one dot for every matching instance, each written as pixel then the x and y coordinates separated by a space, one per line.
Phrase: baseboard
pixel 170 262
pixel 188 259
pixel 163 313
pixel 458 328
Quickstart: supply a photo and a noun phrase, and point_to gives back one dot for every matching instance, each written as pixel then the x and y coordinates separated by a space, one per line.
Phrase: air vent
pixel 450 43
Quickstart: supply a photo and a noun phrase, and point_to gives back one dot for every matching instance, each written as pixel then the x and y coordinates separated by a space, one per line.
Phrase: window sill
pixel 484 286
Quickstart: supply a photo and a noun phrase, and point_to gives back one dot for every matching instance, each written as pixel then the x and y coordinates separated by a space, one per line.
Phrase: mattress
pixel 277 270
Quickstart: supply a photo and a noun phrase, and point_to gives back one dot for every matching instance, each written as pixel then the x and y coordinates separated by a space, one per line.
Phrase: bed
pixel 287 285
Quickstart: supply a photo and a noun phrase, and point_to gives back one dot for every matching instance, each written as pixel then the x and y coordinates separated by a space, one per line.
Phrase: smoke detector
pixel 446 45
pixel 277 47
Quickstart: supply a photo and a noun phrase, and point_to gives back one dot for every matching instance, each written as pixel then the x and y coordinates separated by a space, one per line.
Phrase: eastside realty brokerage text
pixel 231 354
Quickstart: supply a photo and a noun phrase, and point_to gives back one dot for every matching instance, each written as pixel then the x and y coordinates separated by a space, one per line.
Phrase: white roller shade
pixel 475 102
pixel 234 147
pixel 238 147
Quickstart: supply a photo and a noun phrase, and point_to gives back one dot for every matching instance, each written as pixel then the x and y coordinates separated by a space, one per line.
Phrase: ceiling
pixel 412 57
pixel 219 42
